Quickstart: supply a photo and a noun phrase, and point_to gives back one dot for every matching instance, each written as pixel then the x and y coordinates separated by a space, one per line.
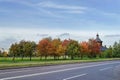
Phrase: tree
pixel 22 48
pixel 5 54
pixel 30 47
pixel 0 53
pixel 73 49
pixel 108 53
pixel 60 50
pixel 116 49
pixel 94 48
pixel 84 49
pixel 65 44
pixel 13 50
pixel 55 45
pixel 43 48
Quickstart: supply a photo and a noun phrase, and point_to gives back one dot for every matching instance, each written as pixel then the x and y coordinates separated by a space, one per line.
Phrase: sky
pixel 76 19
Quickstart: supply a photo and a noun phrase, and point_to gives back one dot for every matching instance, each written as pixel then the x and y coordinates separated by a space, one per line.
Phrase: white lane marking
pixel 30 70
pixel 36 74
pixel 75 76
pixel 105 68
pixel 15 71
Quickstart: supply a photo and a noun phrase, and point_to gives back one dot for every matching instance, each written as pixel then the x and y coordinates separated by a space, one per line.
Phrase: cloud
pixel 109 14
pixel 7 42
pixel 11 35
pixel 115 35
pixel 73 12
pixel 104 13
pixel 64 36
pixel 69 8
pixel 30 9
pixel 42 35
pixel 53 5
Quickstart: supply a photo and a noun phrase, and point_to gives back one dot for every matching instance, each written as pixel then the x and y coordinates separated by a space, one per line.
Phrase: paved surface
pixel 108 70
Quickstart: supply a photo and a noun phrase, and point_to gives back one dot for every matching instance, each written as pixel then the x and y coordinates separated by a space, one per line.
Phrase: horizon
pixel 79 20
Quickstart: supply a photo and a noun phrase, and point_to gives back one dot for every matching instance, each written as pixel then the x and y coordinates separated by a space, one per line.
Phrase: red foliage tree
pixel 44 47
pixel 84 49
pixel 94 48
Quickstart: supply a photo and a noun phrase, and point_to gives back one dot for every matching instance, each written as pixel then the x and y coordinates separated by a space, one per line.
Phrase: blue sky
pixel 77 19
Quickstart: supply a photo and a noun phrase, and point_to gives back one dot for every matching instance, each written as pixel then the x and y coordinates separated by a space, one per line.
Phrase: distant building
pixel 103 48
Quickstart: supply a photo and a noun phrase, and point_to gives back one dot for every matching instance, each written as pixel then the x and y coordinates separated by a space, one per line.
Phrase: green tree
pixel 22 48
pixel 116 49
pixel 73 49
pixel 108 53
pixel 30 47
pixel 13 50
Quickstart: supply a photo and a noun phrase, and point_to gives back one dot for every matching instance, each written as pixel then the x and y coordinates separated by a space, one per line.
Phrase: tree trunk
pixel 72 57
pixel 81 56
pixel 54 57
pixel 40 57
pixel 45 57
pixel 58 57
pixel 22 57
pixel 13 57
pixel 65 57
pixel 30 57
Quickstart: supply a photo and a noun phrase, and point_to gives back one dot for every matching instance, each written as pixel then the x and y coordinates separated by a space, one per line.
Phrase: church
pixel 103 48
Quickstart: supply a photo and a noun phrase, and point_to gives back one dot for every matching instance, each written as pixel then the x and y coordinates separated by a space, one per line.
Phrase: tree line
pixel 57 48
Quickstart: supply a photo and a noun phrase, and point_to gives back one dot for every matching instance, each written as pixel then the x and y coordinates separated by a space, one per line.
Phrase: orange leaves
pixel 94 46
pixel 84 47
pixel 58 48
pixel 50 47
pixel 43 47
pixel 90 48
pixel 65 42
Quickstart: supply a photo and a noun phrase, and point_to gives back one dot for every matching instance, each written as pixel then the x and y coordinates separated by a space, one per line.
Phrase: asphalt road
pixel 108 70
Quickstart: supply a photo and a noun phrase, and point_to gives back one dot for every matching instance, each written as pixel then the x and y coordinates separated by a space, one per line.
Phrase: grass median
pixel 6 63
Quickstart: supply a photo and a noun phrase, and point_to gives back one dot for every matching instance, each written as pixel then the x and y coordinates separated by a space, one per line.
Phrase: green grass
pixel 6 62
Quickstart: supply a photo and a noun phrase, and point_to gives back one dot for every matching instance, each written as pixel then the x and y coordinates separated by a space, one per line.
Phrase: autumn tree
pixel 60 50
pixel 65 44
pixel 94 48
pixel 43 47
pixel 55 45
pixel 84 49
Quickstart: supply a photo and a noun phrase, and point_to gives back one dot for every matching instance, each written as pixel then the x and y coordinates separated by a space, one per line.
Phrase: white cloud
pixel 112 35
pixel 104 13
pixel 38 10
pixel 53 5
pixel 69 8
pixel 73 11
pixel 11 35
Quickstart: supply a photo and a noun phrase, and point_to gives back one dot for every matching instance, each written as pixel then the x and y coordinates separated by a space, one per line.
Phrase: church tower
pixel 99 40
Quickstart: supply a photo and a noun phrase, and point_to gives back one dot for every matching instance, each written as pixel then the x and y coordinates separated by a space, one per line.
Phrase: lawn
pixel 6 62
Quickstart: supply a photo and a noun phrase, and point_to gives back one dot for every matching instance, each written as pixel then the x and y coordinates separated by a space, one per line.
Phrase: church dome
pixel 98 39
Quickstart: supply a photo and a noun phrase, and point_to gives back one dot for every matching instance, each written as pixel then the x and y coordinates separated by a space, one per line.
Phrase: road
pixel 107 70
